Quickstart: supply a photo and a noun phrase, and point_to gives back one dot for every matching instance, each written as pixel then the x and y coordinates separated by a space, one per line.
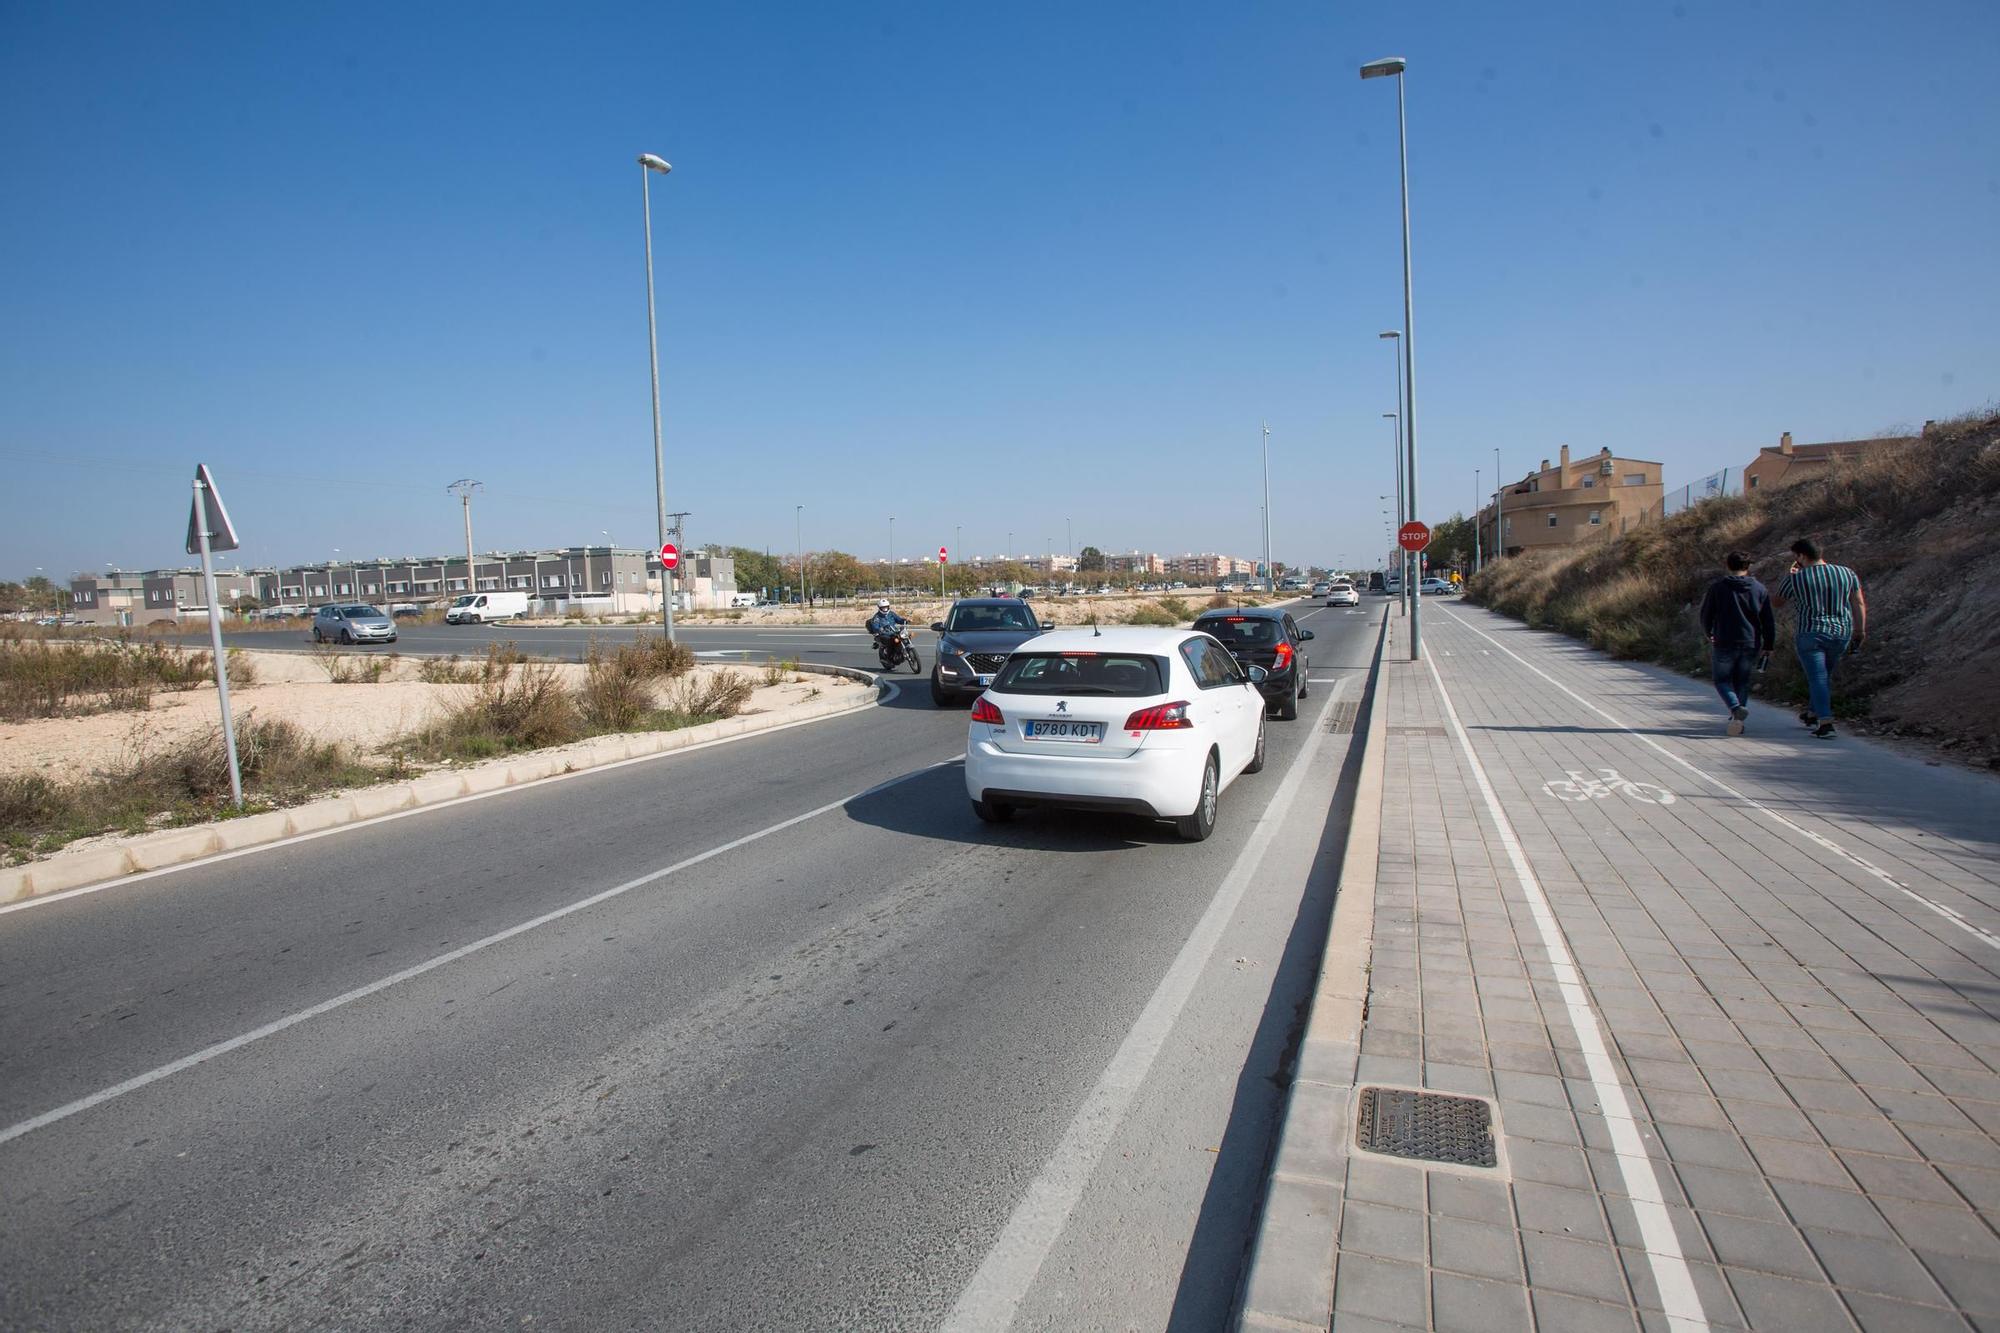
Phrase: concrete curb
pixel 1289 1281
pixel 171 847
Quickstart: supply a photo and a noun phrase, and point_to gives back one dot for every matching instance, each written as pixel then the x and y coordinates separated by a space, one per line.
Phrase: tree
pixel 13 597
pixel 755 570
pixel 835 573
pixel 1451 543
pixel 1090 561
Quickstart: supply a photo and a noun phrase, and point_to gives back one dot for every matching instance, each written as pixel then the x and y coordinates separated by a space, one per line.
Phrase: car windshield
pixel 357 609
pixel 966 618
pixel 1133 674
pixel 1240 630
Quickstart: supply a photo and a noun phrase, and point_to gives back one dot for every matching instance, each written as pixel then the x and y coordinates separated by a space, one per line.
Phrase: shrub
pixel 40 677
pixel 240 668
pixel 706 698
pixel 1148 614
pixel 446 671
pixel 1177 609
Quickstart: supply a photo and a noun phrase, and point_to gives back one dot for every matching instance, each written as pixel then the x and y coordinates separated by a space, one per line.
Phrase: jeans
pixel 1819 654
pixel 1732 665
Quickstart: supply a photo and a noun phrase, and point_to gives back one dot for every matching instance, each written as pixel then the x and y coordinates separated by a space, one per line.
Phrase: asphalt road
pixel 772 1034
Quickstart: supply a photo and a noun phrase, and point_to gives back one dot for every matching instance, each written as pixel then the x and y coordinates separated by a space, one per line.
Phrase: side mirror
pixel 1258 675
pixel 1305 634
pixel 937 627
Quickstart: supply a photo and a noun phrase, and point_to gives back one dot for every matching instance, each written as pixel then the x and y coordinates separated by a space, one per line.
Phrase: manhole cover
pixel 1428 1126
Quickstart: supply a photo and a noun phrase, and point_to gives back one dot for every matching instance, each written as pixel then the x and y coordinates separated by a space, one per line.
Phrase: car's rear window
pixel 1244 630
pixel 1117 674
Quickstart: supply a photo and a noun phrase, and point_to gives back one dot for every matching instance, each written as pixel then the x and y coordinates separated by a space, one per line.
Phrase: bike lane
pixel 1732 1002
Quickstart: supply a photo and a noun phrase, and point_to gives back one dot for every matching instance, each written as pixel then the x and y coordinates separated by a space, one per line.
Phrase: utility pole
pixel 648 164
pixel 1475 520
pixel 463 489
pixel 1499 496
pixel 667 576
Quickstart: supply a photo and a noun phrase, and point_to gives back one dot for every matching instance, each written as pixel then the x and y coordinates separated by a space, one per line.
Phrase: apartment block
pixel 1573 501
pixel 600 579
pixel 1786 464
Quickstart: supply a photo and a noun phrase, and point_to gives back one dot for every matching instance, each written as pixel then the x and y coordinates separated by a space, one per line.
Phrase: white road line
pixel 1950 914
pixel 991 1298
pixel 207 1053
pixel 1678 1297
pixel 539 784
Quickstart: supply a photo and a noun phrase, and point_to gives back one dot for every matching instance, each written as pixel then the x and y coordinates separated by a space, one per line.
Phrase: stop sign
pixel 1413 536
pixel 670 555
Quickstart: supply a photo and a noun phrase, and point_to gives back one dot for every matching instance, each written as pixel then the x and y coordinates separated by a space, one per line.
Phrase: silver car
pixel 352 622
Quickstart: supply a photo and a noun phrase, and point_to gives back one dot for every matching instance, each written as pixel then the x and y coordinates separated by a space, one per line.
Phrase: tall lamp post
pixel 1403 514
pixel 1376 69
pixel 1499 496
pixel 1270 574
pixel 798 543
pixel 1402 557
pixel 648 164
pixel 1475 520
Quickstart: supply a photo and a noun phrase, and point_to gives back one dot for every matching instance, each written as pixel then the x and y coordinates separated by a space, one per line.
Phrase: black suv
pixel 1268 637
pixel 974 639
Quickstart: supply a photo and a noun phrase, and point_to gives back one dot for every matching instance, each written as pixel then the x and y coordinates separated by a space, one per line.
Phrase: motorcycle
pixel 898 650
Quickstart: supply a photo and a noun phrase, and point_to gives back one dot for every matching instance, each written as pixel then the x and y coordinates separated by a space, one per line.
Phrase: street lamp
pixel 798 541
pixel 648 164
pixel 1402 514
pixel 1270 574
pixel 1376 69
pixel 1475 520
pixel 1499 497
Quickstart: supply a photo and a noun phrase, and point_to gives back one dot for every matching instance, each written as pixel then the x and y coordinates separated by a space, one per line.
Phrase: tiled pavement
pixel 1808 1050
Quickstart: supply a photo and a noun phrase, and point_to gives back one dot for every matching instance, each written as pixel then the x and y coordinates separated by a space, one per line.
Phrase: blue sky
pixel 971 267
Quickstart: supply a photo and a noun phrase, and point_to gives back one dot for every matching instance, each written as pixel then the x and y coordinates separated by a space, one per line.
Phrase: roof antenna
pixel 1095 632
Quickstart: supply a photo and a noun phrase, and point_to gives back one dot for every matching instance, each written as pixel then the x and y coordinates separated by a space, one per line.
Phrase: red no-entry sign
pixel 670 556
pixel 941 555
pixel 1413 536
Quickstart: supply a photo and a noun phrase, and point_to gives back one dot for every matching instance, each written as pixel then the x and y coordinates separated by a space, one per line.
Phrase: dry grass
pixel 185 783
pixel 44 677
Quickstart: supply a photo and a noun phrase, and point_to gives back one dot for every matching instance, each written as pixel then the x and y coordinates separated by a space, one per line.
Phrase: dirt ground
pixel 293 686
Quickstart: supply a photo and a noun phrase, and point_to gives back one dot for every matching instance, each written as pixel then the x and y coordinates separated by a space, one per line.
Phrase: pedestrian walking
pixel 1736 616
pixel 1832 622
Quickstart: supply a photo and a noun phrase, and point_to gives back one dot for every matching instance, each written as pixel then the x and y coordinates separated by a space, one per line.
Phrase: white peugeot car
pixel 1151 722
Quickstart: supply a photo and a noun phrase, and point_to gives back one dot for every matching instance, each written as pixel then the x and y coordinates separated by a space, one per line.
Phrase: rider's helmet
pixel 882 605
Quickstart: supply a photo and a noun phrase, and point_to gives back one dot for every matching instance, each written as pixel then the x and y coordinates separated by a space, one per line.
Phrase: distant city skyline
pixel 959 268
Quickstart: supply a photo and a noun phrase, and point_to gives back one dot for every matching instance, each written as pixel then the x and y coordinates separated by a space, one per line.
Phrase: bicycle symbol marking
pixel 1580 787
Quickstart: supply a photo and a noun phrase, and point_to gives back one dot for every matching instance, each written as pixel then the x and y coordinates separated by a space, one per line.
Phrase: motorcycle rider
pixel 884 625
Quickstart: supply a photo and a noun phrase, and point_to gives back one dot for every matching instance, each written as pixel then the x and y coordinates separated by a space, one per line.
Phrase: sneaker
pixel 1824 731
pixel 1807 716
pixel 1737 715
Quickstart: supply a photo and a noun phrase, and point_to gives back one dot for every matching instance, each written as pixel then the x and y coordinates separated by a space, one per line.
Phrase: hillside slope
pixel 1919 522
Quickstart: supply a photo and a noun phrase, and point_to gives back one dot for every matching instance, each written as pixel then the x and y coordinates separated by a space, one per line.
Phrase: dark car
pixel 1267 637
pixel 974 639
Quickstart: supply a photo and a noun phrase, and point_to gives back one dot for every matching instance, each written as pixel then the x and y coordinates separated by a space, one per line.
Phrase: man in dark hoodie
pixel 1736 616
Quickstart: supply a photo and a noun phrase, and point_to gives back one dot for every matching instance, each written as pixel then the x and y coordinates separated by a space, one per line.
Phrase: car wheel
pixel 992 812
pixel 1256 764
pixel 939 697
pixel 317 636
pixel 1197 826
pixel 1289 709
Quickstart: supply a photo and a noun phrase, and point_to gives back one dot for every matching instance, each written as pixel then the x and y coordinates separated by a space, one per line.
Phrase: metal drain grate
pixel 1398 729
pixel 1341 722
pixel 1427 1126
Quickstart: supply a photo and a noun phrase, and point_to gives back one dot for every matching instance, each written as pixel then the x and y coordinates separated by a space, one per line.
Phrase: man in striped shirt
pixel 1832 621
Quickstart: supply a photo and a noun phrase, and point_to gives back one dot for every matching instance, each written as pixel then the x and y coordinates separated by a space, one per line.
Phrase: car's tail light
pixel 982 711
pixel 1284 656
pixel 1160 717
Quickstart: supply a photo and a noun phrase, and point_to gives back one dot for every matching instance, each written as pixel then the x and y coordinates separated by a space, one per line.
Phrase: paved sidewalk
pixel 1734 1001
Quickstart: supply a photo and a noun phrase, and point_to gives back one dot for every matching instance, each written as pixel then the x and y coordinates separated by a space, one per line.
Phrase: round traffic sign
pixel 941 555
pixel 670 555
pixel 1413 536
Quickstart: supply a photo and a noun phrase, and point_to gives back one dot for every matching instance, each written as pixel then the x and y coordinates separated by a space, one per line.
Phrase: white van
pixel 474 608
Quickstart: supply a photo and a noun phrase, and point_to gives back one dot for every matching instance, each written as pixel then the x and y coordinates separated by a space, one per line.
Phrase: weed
pixel 706 698
pixel 446 671
pixel 1146 614
pixel 240 667
pixel 40 677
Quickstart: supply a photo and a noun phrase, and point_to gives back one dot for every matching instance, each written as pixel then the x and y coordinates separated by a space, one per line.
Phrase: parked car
pixel 352 622
pixel 974 639
pixel 1151 722
pixel 474 608
pixel 1343 594
pixel 1437 588
pixel 284 611
pixel 1267 637
pixel 405 609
